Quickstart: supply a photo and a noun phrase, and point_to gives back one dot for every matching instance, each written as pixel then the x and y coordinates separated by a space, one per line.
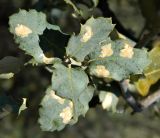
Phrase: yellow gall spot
pixel 106 51
pixel 22 31
pixel 127 52
pixel 57 98
pixel 101 71
pixel 107 102
pixel 67 113
pixel 87 35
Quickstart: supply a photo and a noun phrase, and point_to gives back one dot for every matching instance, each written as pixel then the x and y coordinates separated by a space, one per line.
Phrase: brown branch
pixel 129 97
pixel 138 106
pixel 148 101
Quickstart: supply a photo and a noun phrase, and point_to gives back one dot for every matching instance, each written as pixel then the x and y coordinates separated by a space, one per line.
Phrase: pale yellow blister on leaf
pixel 106 51
pixel 57 98
pixel 67 113
pixel 101 71
pixel 127 52
pixel 87 35
pixel 22 30
pixel 152 72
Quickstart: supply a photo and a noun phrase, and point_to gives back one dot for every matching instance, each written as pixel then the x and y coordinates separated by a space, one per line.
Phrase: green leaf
pixel 92 33
pixel 26 27
pixel 55 111
pixel 66 100
pixel 109 101
pixel 72 84
pixel 117 60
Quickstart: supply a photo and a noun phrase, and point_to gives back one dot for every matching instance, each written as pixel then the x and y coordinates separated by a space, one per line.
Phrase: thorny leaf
pixel 92 33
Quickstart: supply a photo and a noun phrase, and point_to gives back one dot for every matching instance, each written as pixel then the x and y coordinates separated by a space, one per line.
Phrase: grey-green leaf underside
pixel 26 27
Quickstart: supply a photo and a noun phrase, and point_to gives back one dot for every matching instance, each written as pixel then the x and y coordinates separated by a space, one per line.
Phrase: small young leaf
pixel 26 27
pixel 23 106
pixel 92 33
pixel 117 60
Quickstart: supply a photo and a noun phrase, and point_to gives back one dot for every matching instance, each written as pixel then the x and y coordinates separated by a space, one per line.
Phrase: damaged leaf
pixel 118 59
pixel 26 27
pixel 92 33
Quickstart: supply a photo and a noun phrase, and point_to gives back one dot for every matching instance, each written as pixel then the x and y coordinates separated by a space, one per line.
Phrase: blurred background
pixel 136 19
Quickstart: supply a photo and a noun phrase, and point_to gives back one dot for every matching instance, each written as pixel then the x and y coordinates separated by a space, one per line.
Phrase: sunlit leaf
pixel 152 72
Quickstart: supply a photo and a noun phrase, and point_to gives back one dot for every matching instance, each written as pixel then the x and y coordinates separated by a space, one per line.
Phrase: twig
pixel 141 105
pixel 129 97
pixel 145 103
pixel 146 39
